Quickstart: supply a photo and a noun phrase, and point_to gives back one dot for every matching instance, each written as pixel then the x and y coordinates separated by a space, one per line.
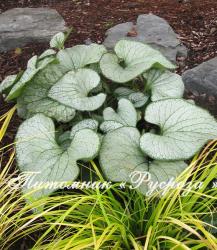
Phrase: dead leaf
pixel 18 51
pixel 132 32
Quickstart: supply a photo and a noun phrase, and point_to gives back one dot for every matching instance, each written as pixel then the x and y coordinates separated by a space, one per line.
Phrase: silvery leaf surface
pixel 184 130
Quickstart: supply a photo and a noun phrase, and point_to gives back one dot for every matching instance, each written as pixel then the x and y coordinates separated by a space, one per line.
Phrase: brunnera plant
pixel 124 107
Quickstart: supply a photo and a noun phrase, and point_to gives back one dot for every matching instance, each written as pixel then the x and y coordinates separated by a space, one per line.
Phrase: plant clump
pixel 125 107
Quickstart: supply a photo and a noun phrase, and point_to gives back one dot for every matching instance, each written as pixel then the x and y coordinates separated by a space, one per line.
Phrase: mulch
pixel 194 20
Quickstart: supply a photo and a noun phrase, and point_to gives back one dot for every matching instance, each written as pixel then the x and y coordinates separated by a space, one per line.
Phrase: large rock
pixel 149 29
pixel 202 79
pixel 20 26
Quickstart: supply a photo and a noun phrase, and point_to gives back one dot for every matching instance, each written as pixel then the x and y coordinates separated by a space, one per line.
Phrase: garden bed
pixel 194 21
pixel 118 217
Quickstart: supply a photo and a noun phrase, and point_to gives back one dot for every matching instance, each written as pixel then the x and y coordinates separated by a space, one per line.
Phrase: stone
pixel 116 33
pixel 20 26
pixel 152 30
pixel 202 79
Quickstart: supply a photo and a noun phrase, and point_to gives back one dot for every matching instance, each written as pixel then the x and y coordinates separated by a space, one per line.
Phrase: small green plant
pixel 124 106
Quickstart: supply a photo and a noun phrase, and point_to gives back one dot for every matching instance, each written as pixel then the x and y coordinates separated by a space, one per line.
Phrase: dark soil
pixel 194 21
